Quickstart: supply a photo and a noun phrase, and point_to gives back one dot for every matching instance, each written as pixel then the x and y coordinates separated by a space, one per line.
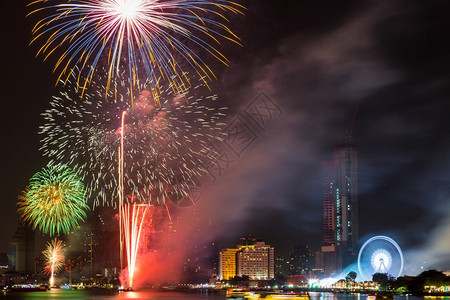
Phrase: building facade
pixel 301 260
pixel 227 264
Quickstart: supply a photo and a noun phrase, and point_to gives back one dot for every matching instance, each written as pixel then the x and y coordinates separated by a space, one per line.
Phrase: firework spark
pixel 54 201
pixel 158 36
pixel 168 146
pixel 54 259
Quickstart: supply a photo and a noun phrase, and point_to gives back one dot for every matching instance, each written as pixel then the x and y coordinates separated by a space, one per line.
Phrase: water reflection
pixel 204 295
pixel 105 294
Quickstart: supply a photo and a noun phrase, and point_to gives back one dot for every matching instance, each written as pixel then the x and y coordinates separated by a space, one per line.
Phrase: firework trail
pixel 158 36
pixel 54 259
pixel 167 146
pixel 54 201
pixel 133 218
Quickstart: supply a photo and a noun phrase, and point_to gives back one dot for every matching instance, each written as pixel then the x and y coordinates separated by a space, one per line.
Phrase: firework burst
pixel 167 146
pixel 157 36
pixel 54 201
pixel 54 259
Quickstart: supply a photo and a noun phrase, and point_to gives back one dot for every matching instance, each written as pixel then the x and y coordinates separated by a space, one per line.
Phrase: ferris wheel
pixel 380 254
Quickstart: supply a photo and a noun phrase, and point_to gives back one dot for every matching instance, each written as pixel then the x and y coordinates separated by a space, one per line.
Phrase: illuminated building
pixel 256 261
pixel 340 209
pixel 227 264
pixel 301 260
pixel 279 265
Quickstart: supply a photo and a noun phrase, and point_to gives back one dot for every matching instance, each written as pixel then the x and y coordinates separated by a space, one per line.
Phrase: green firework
pixel 54 201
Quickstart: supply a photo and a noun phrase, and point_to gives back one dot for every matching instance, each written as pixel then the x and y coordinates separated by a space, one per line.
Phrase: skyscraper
pixel 340 208
pixel 22 249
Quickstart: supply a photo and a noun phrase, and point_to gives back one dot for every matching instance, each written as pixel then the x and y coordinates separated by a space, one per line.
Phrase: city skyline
pixel 380 69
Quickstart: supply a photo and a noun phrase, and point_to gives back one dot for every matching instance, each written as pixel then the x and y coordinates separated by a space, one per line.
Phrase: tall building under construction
pixel 340 209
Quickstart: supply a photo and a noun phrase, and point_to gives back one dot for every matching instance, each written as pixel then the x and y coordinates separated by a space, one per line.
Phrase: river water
pixel 152 295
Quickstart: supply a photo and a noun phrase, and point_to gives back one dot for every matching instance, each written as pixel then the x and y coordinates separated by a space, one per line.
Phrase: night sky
pixel 379 70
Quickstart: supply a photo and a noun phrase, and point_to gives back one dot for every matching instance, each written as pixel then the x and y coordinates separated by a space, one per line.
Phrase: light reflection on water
pixel 152 295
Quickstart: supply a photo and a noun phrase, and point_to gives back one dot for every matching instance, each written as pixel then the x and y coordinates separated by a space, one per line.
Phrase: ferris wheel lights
pixel 380 254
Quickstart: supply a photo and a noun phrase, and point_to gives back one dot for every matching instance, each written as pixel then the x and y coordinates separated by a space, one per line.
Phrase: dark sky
pixel 383 67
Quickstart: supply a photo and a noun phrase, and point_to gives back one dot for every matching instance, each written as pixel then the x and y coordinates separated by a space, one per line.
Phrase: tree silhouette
pixel 351 276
